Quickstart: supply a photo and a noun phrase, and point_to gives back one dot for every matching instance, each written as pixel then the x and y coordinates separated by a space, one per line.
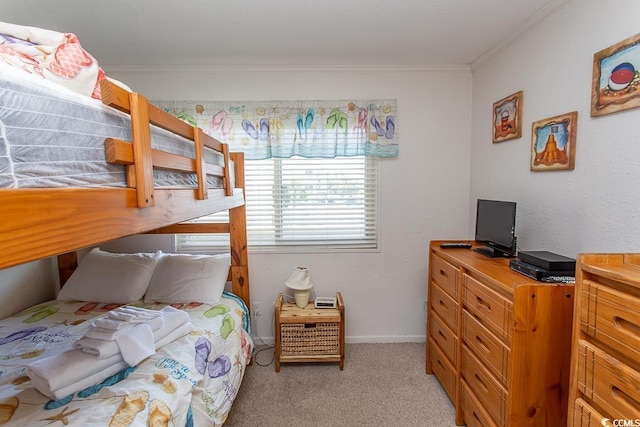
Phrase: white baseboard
pixel 382 339
pixel 377 339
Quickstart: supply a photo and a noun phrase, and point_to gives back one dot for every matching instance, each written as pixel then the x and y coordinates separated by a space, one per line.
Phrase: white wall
pixel 420 198
pixel 596 206
pixel 26 285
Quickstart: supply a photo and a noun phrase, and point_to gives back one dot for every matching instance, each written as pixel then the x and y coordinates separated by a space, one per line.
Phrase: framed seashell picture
pixel 507 118
pixel 553 143
pixel 616 77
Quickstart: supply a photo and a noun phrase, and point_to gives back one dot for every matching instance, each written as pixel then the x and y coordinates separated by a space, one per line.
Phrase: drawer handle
pixel 621 395
pixel 443 304
pixel 477 418
pixel 482 344
pixel 444 273
pixel 482 384
pixel 629 327
pixel 440 363
pixel 442 335
pixel 483 304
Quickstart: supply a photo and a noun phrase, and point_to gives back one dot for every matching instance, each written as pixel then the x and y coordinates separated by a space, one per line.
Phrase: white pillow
pixel 110 278
pixel 181 278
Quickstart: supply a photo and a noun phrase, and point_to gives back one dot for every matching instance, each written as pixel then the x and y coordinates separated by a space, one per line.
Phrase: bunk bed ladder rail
pixel 140 158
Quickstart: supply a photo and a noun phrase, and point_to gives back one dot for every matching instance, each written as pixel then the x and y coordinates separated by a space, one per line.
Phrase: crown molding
pixel 283 68
pixel 546 10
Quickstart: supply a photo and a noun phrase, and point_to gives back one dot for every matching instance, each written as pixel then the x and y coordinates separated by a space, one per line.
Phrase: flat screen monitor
pixel 496 228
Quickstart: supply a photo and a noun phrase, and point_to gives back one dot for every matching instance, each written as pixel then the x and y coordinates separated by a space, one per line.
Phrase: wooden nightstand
pixel 309 334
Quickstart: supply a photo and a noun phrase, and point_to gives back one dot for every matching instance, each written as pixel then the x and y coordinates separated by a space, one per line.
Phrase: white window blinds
pixel 299 203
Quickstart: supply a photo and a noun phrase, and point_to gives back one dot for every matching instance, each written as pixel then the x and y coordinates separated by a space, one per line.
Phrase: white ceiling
pixel 285 32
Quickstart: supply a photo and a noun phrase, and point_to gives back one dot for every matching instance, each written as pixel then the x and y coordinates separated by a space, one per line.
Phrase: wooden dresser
pixel 605 358
pixel 498 342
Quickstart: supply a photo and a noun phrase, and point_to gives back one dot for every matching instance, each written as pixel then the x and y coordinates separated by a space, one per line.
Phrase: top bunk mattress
pixel 53 137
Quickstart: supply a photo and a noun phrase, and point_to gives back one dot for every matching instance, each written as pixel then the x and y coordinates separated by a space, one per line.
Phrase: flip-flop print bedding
pixel 189 382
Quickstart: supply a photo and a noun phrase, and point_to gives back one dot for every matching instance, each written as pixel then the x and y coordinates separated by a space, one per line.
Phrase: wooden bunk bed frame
pixel 37 223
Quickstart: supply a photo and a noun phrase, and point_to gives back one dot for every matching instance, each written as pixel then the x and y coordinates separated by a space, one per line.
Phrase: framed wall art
pixel 507 118
pixel 553 143
pixel 616 77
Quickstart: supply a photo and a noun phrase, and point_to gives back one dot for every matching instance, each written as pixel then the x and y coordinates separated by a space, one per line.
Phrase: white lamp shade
pixel 301 284
pixel 299 279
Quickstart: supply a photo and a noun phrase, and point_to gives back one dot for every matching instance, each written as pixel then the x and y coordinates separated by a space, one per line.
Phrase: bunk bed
pixel 38 222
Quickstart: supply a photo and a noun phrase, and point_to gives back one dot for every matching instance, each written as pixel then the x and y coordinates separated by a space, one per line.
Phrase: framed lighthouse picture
pixel 553 143
pixel 507 118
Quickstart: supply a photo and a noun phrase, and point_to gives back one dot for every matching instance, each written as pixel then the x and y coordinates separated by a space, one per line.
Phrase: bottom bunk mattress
pixel 191 381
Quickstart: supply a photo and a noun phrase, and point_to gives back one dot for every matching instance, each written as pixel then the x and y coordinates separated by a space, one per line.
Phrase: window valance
pixel 283 129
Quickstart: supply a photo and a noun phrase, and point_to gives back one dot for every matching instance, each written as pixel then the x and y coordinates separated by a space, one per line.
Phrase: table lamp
pixel 300 283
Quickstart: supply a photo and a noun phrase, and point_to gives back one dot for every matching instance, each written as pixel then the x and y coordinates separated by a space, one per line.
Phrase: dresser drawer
pixel 607 382
pixel 487 347
pixel 489 392
pixel 445 338
pixel 445 306
pixel 472 411
pixel 445 372
pixel 490 308
pixel 445 275
pixel 585 416
pixel 611 317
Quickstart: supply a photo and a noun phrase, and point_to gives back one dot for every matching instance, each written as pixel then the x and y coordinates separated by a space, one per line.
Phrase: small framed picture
pixel 553 143
pixel 507 118
pixel 616 77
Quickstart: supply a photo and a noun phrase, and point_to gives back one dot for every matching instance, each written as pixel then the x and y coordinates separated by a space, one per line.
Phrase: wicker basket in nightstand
pixel 309 334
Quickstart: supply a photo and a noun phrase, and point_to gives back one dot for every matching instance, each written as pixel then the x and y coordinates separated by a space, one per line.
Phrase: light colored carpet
pixel 381 385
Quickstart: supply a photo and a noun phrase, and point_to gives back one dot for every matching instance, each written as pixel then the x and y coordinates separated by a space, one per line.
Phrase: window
pixel 309 204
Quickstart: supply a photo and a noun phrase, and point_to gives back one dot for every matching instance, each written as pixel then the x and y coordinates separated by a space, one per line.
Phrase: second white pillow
pixel 182 278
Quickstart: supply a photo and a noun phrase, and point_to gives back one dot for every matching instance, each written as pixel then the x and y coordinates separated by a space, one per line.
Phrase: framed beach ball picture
pixel 616 77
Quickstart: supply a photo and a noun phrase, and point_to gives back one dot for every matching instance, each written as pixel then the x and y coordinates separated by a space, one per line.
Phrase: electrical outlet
pixel 256 309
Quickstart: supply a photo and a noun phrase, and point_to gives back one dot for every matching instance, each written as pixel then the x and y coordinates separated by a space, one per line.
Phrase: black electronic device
pixel 559 279
pixel 455 245
pixel 496 228
pixel 535 272
pixel 548 260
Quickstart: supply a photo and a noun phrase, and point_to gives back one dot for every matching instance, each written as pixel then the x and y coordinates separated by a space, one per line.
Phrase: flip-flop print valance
pixel 283 129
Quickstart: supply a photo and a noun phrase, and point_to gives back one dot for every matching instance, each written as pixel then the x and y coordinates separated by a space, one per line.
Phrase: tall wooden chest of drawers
pixel 605 357
pixel 498 342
